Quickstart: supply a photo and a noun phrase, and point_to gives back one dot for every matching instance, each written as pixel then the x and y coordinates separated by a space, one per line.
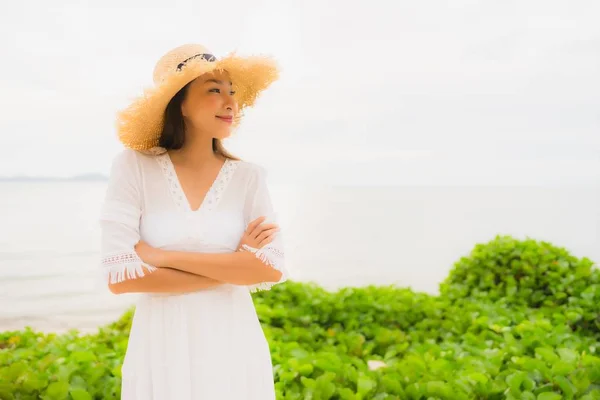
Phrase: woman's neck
pixel 196 154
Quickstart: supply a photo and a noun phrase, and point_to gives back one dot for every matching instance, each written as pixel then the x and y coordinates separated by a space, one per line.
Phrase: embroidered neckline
pixel 212 196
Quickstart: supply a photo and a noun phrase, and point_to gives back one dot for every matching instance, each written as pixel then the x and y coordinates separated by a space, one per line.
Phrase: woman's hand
pixel 258 234
pixel 150 255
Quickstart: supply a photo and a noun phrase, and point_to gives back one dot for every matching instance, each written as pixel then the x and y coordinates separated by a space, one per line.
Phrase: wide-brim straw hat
pixel 140 125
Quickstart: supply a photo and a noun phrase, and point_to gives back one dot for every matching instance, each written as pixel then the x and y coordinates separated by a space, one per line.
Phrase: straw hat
pixel 140 125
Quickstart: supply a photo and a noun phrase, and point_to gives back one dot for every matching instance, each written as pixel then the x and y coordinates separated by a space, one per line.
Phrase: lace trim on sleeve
pixel 270 256
pixel 121 266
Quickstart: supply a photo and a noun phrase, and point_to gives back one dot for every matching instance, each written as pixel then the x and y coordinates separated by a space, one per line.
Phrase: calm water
pixel 335 236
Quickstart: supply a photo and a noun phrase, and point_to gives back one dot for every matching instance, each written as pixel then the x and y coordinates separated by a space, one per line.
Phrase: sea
pixel 336 236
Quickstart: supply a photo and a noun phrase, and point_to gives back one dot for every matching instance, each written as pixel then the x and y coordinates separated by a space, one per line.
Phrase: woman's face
pixel 209 105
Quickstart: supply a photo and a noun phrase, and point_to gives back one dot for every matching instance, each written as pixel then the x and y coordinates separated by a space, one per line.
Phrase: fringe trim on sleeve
pixel 122 266
pixel 271 257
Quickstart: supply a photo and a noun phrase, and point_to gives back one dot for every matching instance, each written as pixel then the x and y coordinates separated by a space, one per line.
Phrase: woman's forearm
pixel 239 268
pixel 164 280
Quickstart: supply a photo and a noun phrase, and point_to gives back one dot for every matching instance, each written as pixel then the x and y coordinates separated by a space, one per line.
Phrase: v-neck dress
pixel 207 344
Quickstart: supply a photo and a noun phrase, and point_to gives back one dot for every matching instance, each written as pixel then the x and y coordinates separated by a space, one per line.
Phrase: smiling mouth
pixel 225 119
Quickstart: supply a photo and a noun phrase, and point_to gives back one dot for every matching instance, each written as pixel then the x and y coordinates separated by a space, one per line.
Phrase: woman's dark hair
pixel 173 133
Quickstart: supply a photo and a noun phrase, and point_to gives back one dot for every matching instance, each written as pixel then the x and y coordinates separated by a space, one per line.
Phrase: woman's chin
pixel 222 134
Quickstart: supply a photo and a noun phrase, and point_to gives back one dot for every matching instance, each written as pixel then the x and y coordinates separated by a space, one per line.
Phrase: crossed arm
pixel 163 280
pixel 179 271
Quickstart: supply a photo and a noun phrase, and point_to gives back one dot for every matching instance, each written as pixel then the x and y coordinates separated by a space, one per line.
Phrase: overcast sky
pixel 376 91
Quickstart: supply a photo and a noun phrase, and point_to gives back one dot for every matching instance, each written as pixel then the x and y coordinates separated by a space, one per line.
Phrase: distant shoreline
pixel 86 177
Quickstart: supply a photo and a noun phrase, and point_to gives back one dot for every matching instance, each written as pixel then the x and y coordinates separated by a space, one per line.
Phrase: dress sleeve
pixel 120 221
pixel 258 203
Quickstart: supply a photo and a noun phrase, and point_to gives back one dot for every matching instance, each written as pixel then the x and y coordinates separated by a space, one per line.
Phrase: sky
pixel 379 92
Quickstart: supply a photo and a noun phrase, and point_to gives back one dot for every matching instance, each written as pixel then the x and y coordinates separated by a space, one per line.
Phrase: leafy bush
pixel 512 344
pixel 529 273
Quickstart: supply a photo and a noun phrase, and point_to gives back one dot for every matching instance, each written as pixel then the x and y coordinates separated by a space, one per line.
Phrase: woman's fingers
pixel 261 228
pixel 265 241
pixel 266 233
pixel 269 236
pixel 254 224
pixel 258 234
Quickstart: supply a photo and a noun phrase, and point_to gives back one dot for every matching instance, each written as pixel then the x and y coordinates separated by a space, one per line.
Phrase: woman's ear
pixel 183 110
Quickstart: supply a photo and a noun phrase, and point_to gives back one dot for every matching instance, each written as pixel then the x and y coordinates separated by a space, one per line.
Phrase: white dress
pixel 208 344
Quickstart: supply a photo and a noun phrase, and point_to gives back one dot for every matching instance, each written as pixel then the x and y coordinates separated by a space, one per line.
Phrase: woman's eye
pixel 217 90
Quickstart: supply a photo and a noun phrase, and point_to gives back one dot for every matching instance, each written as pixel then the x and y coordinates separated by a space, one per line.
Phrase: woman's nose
pixel 229 101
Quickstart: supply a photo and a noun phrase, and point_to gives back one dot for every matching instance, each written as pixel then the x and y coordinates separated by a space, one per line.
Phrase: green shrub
pixel 529 273
pixel 501 346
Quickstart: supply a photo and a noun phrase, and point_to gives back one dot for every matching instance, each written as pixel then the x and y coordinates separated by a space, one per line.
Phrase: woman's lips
pixel 226 119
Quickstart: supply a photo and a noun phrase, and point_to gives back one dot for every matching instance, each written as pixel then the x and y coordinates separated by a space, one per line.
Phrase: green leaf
pixel 438 388
pixel 308 382
pixel 80 394
pixel 57 390
pixel 593 395
pixel 566 386
pixel 547 354
pixel 527 396
pixel 365 384
pixel 549 396
pixel 325 388
pixel 83 356
pixel 514 382
pixel 568 355
pixel 562 368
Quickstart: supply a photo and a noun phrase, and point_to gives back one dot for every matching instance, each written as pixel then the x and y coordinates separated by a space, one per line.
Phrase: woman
pixel 192 229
